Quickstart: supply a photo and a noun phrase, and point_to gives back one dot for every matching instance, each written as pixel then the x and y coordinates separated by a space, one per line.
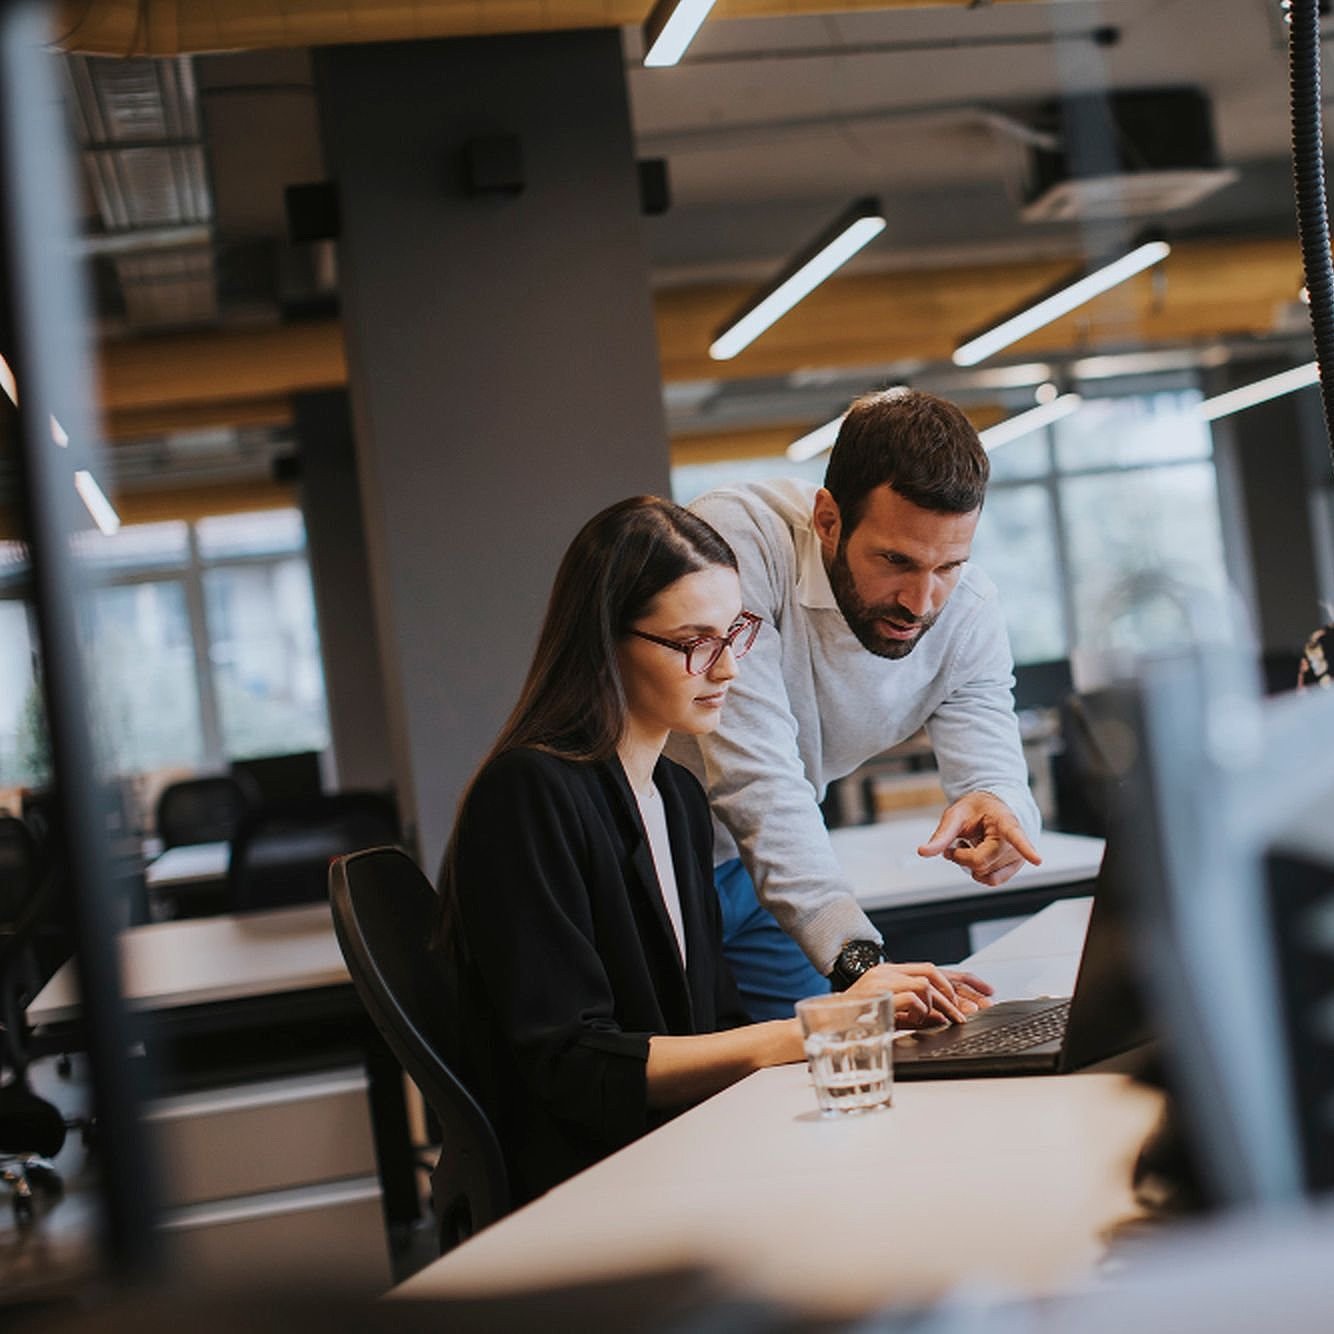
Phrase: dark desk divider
pixel 44 328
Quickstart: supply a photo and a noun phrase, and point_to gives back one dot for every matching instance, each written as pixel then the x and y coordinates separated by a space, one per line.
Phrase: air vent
pixel 1130 154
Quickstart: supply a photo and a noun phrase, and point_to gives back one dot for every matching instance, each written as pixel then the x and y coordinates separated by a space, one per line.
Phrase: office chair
pixel 38 812
pixel 384 914
pixel 281 850
pixel 1082 774
pixel 32 1131
pixel 201 810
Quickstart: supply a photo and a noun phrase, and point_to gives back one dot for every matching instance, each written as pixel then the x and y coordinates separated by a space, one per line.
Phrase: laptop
pixel 1104 1017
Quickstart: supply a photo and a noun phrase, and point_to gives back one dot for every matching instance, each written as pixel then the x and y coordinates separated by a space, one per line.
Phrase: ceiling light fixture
pixel 1024 423
pixel 1067 297
pixel 837 244
pixel 8 383
pixel 1261 391
pixel 816 441
pixel 94 499
pixel 670 28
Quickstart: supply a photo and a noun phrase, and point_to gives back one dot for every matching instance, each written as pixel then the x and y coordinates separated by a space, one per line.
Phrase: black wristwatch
pixel 854 959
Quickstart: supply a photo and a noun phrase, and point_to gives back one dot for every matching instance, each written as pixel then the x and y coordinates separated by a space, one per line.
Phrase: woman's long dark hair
pixel 573 700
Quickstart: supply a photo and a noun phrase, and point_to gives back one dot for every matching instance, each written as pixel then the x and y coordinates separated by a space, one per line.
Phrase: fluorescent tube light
pixel 830 250
pixel 816 441
pixel 670 28
pixel 104 514
pixel 8 383
pixel 1061 302
pixel 1025 422
pixel 59 434
pixel 1273 386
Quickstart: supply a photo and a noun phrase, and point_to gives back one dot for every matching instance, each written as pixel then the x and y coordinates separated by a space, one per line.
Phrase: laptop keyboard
pixel 1031 1031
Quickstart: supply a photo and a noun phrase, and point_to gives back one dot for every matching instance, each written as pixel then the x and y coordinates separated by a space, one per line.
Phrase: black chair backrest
pixel 200 810
pixel 28 1124
pixel 384 913
pixel 18 870
pixel 281 850
pixel 38 809
pixel 278 777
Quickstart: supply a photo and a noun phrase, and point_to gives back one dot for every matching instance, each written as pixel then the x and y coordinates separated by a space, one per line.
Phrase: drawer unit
pixel 254 1138
pixel 328 1233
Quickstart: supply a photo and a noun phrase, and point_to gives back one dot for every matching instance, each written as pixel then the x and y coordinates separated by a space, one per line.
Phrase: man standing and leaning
pixel 874 626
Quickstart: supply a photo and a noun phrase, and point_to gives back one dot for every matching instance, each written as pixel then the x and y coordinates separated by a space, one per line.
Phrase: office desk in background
pixel 927 908
pixel 280 1116
pixel 1005 1182
pixel 188 881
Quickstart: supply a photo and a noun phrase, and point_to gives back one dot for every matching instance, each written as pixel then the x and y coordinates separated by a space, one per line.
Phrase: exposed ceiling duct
pixel 140 142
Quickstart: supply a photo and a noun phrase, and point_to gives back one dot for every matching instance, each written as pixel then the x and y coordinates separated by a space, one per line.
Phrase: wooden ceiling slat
pixel 223 366
pixel 1205 290
pixel 149 423
pixel 172 27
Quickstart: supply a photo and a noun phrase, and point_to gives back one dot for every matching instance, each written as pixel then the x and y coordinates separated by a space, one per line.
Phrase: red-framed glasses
pixel 701 653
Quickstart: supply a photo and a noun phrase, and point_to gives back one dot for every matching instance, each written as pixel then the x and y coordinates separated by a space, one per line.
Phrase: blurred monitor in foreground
pixel 1232 797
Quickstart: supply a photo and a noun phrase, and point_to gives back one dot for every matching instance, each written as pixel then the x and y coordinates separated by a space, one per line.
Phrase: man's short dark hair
pixel 917 443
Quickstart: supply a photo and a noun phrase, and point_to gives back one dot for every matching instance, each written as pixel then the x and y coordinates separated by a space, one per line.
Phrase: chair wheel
pixel 44 1177
pixel 23 1210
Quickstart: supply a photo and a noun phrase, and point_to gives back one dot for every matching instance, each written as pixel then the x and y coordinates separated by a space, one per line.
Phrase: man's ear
pixel 827 522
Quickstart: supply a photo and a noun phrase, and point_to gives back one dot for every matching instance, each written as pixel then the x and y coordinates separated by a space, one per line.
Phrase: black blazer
pixel 568 960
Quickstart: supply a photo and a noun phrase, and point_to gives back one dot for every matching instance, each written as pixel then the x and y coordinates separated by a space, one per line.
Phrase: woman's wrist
pixel 782 1042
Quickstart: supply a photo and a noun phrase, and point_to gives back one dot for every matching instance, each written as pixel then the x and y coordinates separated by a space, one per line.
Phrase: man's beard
pixel 863 617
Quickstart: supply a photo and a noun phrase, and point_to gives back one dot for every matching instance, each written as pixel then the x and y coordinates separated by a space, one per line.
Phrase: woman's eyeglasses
pixel 702 653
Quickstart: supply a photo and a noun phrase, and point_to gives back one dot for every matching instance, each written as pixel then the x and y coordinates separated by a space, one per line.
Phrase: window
pixel 1105 529
pixel 146 711
pixel 23 746
pixel 694 479
pixel 1102 529
pixel 202 647
pixel 265 658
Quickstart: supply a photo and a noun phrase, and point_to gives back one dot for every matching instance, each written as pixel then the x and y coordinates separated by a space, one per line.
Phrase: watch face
pixel 859 956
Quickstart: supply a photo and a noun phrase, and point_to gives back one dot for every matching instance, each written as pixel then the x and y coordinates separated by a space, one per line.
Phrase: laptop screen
pixel 1107 1011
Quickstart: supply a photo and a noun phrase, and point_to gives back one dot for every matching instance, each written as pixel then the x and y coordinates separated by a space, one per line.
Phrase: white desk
pixel 1004 1182
pixel 1036 959
pixel 189 864
pixel 168 965
pixel 882 864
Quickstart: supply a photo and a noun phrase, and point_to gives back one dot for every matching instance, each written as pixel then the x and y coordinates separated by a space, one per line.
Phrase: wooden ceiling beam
pixel 151 423
pixel 220 367
pixel 190 503
pixel 1205 290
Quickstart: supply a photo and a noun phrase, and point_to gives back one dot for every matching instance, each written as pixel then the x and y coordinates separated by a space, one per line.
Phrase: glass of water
pixel 849 1048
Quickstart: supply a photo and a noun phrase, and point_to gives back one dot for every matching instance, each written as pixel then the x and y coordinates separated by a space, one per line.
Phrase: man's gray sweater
pixel 810 705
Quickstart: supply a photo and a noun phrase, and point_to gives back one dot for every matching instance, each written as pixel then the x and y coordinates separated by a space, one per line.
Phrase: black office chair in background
pixel 384 914
pixel 281 850
pixel 32 1131
pixel 202 810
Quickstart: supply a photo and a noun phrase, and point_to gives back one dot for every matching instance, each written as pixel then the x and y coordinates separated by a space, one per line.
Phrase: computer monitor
pixel 1233 800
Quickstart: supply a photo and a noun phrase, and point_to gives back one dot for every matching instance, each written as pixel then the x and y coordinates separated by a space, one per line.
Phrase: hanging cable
pixel 1308 165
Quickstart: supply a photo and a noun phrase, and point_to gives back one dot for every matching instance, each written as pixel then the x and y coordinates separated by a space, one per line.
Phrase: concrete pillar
pixel 336 547
pixel 502 360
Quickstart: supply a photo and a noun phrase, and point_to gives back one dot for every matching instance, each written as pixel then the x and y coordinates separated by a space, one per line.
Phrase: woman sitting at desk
pixel 577 898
